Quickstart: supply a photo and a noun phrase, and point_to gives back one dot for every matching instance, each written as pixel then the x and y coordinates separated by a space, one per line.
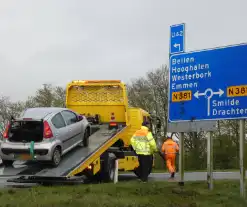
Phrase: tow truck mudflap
pixel 45 180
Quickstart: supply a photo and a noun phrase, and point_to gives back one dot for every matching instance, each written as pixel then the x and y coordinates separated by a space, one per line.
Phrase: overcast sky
pixel 56 41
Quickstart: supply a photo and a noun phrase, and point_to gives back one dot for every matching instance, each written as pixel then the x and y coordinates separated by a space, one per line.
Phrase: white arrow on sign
pixel 197 94
pixel 220 93
pixel 177 45
pixel 208 93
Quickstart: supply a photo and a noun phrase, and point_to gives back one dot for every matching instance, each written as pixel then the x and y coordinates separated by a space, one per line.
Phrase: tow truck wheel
pixel 7 162
pixel 56 157
pixel 109 173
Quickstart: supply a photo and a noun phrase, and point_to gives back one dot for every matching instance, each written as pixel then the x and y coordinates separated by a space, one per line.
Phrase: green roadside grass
pixel 127 194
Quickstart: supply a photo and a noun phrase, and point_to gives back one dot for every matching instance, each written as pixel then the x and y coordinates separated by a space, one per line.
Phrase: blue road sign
pixel 209 84
pixel 177 38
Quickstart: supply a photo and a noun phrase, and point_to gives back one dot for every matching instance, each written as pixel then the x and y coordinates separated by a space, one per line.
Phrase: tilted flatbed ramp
pixel 77 160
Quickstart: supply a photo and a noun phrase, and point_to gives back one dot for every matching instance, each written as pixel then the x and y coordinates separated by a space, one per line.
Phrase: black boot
pixel 172 175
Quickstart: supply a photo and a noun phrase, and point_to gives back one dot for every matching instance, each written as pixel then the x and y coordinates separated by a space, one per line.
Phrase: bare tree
pixel 48 96
pixel 158 84
pixel 30 102
pixel 8 109
pixel 151 94
pixel 4 112
pixel 59 95
pixel 44 96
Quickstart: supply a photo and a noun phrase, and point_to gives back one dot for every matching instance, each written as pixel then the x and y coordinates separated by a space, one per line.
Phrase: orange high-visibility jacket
pixel 143 142
pixel 170 147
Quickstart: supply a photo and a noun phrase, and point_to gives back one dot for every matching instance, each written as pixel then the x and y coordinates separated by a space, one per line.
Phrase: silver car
pixel 44 134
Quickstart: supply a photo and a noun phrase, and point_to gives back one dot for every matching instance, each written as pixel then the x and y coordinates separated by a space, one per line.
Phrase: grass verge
pixel 128 194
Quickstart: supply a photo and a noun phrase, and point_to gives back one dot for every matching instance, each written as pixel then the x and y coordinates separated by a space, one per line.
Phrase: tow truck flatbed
pixel 78 156
pixel 75 159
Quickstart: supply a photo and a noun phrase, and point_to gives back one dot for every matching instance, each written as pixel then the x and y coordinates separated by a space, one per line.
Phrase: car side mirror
pixel 80 117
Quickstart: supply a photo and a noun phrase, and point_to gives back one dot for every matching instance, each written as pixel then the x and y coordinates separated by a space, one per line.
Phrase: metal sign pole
pixel 181 159
pixel 241 157
pixel 210 160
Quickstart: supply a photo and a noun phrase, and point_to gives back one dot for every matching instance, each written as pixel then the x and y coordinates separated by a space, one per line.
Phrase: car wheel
pixel 81 143
pixel 7 162
pixel 56 157
pixel 86 139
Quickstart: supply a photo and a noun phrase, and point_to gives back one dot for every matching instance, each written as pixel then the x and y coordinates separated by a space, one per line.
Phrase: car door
pixel 61 130
pixel 71 120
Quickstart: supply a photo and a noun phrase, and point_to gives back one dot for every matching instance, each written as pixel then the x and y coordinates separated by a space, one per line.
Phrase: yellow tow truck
pixel 105 104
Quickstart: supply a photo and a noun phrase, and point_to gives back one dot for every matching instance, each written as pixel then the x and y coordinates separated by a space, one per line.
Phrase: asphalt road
pixel 188 176
pixel 7 173
pixel 20 168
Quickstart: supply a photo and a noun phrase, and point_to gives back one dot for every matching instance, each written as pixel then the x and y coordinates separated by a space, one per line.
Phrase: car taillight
pixel 47 130
pixel 6 132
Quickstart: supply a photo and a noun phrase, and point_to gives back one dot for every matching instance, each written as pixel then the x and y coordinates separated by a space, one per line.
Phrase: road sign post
pixel 177 38
pixel 241 157
pixel 116 171
pixel 210 160
pixel 181 159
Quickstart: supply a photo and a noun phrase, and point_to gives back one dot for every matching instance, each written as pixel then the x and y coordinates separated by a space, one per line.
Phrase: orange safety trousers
pixel 170 148
pixel 170 162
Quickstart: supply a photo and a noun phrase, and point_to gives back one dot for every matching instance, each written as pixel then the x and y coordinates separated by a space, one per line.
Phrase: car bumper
pixel 13 151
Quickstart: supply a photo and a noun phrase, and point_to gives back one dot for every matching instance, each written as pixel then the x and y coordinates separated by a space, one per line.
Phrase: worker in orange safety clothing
pixel 170 149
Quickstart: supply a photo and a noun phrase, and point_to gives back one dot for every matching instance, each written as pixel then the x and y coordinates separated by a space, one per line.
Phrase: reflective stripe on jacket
pixel 143 142
pixel 170 147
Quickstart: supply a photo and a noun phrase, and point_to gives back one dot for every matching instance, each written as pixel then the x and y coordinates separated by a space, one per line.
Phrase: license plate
pixel 24 157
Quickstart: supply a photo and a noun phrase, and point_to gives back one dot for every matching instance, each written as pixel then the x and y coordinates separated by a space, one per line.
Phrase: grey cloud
pixel 56 41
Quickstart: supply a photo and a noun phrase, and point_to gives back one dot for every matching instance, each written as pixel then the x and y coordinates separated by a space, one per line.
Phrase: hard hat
pixel 175 137
pixel 169 134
